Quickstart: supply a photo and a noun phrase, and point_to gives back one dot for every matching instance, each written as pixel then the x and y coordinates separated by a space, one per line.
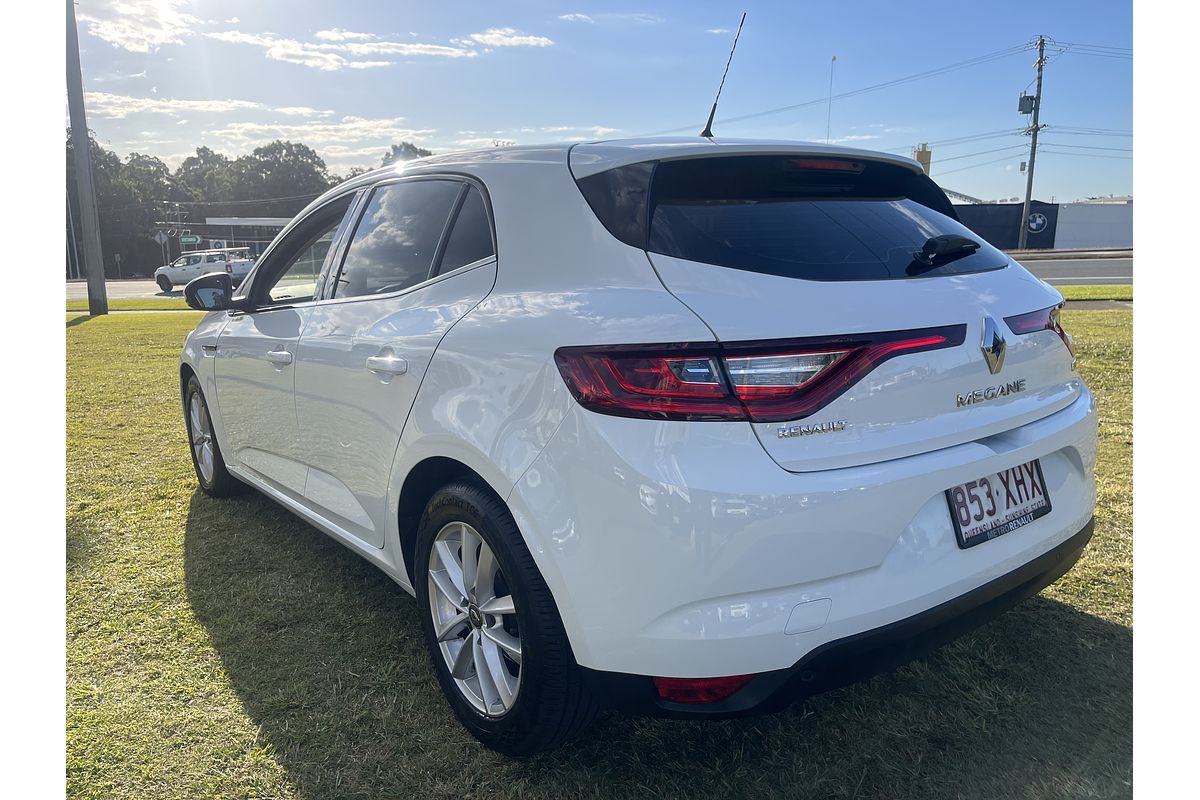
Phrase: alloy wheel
pixel 474 619
pixel 201 433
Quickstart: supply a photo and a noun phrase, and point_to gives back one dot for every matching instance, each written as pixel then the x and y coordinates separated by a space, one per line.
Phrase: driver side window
pixel 397 237
pixel 293 267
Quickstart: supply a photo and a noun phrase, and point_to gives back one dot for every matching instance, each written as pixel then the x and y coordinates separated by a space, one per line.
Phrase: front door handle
pixel 280 358
pixel 389 364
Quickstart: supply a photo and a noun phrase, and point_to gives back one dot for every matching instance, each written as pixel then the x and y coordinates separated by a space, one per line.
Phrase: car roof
pixel 214 250
pixel 589 157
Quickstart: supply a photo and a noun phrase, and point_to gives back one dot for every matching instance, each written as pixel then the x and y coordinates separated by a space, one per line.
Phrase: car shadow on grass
pixel 326 654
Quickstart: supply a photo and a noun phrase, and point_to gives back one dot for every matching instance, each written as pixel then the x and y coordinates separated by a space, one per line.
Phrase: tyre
pixel 492 628
pixel 164 283
pixel 214 479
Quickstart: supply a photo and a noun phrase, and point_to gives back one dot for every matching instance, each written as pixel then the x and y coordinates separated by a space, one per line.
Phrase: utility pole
pixel 1032 130
pixel 93 257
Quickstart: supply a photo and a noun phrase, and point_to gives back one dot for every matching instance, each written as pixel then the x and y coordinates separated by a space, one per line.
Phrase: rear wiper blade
pixel 941 250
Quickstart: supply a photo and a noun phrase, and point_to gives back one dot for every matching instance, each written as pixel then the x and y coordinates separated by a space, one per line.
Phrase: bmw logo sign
pixel 1037 222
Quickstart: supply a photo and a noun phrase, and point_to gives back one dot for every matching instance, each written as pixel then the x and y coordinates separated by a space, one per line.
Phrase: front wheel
pixel 214 479
pixel 492 628
pixel 164 283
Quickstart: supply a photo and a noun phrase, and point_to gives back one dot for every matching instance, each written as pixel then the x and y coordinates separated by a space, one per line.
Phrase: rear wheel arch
pixel 421 483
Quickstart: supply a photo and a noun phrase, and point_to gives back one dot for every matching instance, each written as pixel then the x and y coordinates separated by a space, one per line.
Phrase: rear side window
pixel 815 218
pixel 471 237
pixel 397 237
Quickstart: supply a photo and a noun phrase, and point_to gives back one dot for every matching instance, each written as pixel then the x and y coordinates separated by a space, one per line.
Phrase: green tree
pixel 204 176
pixel 279 169
pixel 405 151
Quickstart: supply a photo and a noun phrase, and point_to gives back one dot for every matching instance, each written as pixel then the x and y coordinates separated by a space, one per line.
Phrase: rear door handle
pixel 390 364
pixel 280 358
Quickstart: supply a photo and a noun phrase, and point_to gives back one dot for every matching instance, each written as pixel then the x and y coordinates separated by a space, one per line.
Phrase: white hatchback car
pixel 687 427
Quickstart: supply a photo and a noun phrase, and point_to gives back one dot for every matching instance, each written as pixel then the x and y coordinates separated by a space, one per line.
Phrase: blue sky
pixel 164 76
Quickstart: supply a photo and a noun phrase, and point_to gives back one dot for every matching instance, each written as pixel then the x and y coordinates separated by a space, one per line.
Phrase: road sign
pixel 161 238
pixel 189 240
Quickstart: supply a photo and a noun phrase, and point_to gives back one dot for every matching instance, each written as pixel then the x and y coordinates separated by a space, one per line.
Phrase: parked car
pixel 684 427
pixel 235 261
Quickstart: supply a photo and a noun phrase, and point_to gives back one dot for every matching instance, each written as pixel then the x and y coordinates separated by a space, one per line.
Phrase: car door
pixel 422 256
pixel 255 356
pixel 183 269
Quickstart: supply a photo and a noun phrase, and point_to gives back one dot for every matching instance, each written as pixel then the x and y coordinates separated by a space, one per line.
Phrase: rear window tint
pixel 815 218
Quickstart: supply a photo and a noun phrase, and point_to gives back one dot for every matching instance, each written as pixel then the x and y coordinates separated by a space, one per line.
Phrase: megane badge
pixel 993 345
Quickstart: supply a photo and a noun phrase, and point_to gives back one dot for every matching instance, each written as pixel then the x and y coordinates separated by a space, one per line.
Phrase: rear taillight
pixel 1044 319
pixel 229 268
pixel 758 381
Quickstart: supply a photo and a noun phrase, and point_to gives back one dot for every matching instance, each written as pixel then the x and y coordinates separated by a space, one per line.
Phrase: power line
pixel 983 153
pixel 973 166
pixel 971 62
pixel 1089 147
pixel 1088 155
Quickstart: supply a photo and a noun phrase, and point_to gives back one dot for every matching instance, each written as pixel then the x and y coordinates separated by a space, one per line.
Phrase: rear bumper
pixel 857 657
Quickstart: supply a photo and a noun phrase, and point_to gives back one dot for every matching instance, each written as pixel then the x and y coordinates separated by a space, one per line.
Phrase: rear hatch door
pixel 782 254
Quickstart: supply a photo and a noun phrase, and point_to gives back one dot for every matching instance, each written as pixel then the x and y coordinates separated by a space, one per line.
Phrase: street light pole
pixel 93 257
pixel 1032 130
pixel 829 106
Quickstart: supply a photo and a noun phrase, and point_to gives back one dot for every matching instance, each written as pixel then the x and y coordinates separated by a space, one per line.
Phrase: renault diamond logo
pixel 993 345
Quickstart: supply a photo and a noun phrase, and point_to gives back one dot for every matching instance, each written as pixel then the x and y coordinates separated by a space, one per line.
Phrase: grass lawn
pixel 226 649
pixel 1096 292
pixel 135 304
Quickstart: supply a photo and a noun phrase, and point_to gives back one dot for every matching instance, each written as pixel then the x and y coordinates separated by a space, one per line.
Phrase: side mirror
pixel 211 292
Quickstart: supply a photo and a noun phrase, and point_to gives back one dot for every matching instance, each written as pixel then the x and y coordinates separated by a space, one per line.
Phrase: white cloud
pixel 303 111
pixel 509 37
pixel 576 18
pixel 339 35
pixel 719 30
pixel 140 26
pixel 103 105
pixel 856 137
pixel 330 56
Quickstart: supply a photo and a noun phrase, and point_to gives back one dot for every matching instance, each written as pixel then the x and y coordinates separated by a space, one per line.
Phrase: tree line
pixel 134 194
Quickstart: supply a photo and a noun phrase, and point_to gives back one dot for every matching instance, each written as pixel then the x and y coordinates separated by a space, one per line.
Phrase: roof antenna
pixel 707 132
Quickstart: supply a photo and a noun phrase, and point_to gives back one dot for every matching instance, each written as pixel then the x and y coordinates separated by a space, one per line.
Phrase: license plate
pixel 998 503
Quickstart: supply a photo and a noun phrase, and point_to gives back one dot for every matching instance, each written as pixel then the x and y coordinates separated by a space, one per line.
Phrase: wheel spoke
pixel 194 412
pixel 449 628
pixel 487 681
pixel 498 673
pixel 470 562
pixel 206 459
pixel 507 642
pixel 446 586
pixel 485 575
pixel 464 660
pixel 451 568
pixel 499 605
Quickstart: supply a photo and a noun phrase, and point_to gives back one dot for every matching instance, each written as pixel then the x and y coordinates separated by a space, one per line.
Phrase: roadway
pixel 1083 271
pixel 1060 272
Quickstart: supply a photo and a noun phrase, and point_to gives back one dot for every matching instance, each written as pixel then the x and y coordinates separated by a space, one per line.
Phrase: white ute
pixel 234 261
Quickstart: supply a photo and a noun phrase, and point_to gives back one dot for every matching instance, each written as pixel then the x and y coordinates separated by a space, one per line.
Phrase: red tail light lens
pixel 1044 319
pixel 699 690
pixel 757 381
pixel 654 382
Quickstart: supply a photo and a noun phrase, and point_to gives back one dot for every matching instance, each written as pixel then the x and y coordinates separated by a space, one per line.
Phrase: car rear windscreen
pixel 810 217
